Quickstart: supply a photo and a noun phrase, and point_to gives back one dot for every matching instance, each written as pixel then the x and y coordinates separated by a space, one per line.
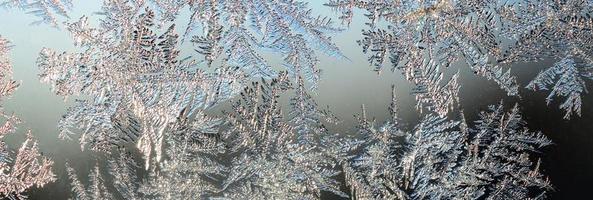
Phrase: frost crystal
pixel 130 67
pixel 27 168
pixel 96 189
pixel 443 159
pixel 267 162
pixel 414 35
pixel 420 34
pixel 306 115
pixel 559 30
pixel 239 31
pixel 253 153
pixel 568 84
pixel 46 10
pixel 138 84
pixel 134 88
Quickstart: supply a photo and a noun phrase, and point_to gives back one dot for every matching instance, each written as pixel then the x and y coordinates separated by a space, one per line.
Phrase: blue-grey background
pixel 345 86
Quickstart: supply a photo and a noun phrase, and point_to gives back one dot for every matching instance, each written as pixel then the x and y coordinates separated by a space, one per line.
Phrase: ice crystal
pixel 484 34
pixel 267 162
pixel 253 153
pixel 191 167
pixel 138 84
pixel 424 33
pixel 133 88
pixel 559 30
pixel 27 168
pixel 444 159
pixel 129 65
pixel 238 32
pixel 7 84
pixel 569 84
pixel 47 10
pixel 185 171
pixel 431 94
pixel 306 115
pixel 96 188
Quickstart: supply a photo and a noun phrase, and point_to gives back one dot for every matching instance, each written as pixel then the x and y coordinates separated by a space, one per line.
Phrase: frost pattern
pixel 138 84
pixel 559 30
pixel 253 154
pixel 239 31
pixel 569 84
pixel 46 10
pixel 26 168
pixel 444 159
pixel 413 35
pixel 135 89
pixel 269 162
pixel 130 66
pixel 306 115
pixel 432 95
